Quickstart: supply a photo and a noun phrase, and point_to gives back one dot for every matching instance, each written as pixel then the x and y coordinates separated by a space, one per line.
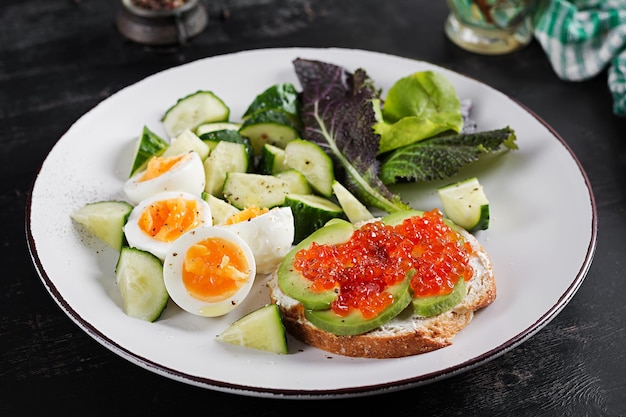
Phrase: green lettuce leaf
pixel 338 114
pixel 417 107
pixel 442 156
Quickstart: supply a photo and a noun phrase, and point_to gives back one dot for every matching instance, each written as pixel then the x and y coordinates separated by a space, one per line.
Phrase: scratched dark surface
pixel 59 58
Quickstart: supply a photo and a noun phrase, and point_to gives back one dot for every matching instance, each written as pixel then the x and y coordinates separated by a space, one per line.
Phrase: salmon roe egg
pixel 378 256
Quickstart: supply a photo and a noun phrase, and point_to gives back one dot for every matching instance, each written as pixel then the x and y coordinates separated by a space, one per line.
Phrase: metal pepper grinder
pixel 166 26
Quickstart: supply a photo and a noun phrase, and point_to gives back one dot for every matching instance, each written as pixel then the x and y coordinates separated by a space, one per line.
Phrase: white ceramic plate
pixel 541 238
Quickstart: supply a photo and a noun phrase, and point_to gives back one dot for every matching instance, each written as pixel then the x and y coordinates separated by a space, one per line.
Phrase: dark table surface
pixel 59 58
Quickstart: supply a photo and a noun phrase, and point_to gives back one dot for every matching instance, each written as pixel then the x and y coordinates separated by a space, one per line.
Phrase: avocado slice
pixel 354 323
pixel 437 304
pixel 293 284
pixel 398 217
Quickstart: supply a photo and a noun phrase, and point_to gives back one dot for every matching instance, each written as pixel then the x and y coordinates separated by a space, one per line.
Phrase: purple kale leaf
pixel 338 114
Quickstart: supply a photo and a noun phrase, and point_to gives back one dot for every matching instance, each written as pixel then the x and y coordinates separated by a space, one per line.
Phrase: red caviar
pixel 378 256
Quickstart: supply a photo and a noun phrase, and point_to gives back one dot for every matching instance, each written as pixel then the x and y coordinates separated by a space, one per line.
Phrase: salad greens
pixel 442 156
pixel 338 114
pixel 416 133
pixel 417 107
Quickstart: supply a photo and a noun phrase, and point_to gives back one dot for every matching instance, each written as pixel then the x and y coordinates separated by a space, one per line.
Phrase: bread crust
pixel 406 334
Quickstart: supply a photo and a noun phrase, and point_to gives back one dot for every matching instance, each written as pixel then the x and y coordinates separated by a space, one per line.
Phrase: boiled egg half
pixel 158 221
pixel 209 271
pixel 268 232
pixel 184 172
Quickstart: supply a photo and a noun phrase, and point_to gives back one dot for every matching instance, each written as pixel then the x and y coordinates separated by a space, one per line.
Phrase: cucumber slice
pixel 297 183
pixel 216 126
pixel 105 220
pixel 272 160
pixel 220 209
pixel 466 204
pixel 279 96
pixel 311 212
pixel 226 157
pixel 248 189
pixel 311 160
pixel 354 209
pixel 193 110
pixel 271 126
pixel 437 304
pixel 149 144
pixel 261 329
pixel 187 141
pixel 139 277
pixel 229 135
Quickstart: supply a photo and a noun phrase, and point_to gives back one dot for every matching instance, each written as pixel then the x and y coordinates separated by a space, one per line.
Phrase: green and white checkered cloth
pixel 584 37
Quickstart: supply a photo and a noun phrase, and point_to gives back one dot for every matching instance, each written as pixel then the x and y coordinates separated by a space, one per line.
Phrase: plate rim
pixel 355 391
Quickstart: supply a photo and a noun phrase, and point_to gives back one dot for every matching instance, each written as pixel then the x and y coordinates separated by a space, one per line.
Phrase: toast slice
pixel 404 335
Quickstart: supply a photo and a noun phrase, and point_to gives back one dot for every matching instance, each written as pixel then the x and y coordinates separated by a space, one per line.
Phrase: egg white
pixel 173 267
pixel 187 175
pixel 270 236
pixel 136 237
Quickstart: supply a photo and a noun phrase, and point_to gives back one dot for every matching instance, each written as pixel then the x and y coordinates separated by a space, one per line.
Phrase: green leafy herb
pixel 417 107
pixel 338 114
pixel 442 156
pixel 282 96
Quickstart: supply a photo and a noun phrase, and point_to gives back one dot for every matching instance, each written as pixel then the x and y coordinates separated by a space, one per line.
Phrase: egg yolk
pixel 167 220
pixel 214 269
pixel 246 214
pixel 160 165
